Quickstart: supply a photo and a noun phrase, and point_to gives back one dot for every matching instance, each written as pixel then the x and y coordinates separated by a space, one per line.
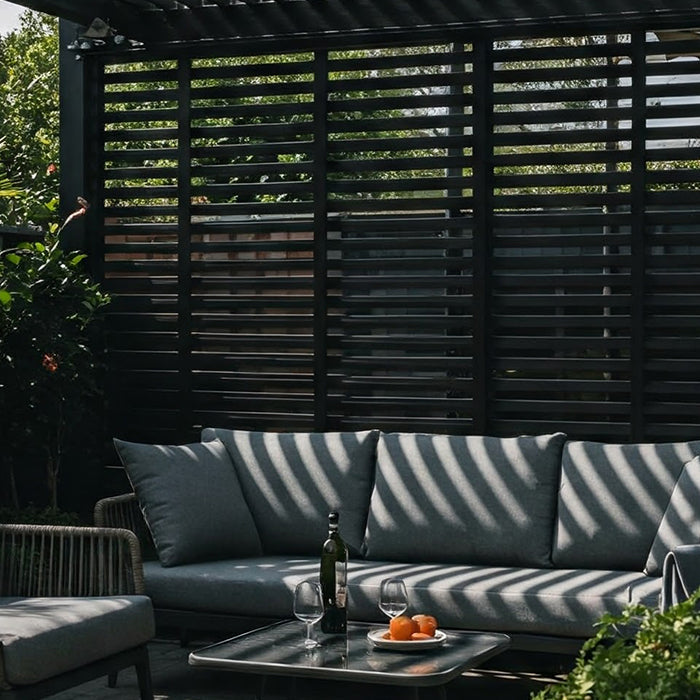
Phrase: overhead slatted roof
pixel 157 22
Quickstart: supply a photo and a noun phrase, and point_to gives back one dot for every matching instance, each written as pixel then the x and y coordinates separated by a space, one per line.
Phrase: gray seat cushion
pixel 191 501
pixel 681 521
pixel 291 482
pixel 43 637
pixel 538 601
pixel 464 499
pixel 501 599
pixel 256 587
pixel 646 591
pixel 612 499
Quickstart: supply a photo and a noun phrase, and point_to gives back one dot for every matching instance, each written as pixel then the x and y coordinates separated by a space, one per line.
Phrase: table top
pixel 278 649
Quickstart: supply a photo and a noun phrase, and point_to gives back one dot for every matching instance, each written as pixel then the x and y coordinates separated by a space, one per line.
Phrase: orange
pixel 402 627
pixel 416 636
pixel 427 624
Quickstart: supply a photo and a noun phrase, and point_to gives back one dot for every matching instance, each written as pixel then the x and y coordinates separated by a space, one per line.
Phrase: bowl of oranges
pixel 408 633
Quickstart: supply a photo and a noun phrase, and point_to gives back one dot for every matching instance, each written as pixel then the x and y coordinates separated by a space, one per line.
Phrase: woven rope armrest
pixel 50 560
pixel 117 511
pixel 124 511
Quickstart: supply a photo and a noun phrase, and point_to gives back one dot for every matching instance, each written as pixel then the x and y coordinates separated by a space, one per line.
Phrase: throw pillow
pixel 191 500
pixel 293 480
pixel 681 521
pixel 611 500
pixel 464 499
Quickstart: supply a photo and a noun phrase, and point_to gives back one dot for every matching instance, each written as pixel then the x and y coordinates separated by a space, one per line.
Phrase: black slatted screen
pixel 495 236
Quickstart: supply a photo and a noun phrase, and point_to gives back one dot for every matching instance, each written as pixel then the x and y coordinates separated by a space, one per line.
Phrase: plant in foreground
pixel 641 654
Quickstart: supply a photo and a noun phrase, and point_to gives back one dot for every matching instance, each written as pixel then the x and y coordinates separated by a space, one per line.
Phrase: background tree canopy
pixel 29 122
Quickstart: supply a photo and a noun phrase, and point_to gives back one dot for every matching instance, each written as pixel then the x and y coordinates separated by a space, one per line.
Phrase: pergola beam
pixel 319 17
pixel 82 13
pixel 158 22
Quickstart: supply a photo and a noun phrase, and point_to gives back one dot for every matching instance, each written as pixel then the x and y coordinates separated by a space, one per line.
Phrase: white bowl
pixel 376 637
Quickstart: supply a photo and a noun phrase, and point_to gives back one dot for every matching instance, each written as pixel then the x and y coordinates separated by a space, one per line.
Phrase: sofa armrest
pixel 123 511
pixel 681 575
pixel 117 511
pixel 51 560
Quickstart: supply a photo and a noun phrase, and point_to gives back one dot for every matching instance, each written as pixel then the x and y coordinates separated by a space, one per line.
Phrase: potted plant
pixel 641 654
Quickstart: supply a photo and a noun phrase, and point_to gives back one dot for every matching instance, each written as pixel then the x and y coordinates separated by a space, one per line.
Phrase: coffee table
pixel 278 649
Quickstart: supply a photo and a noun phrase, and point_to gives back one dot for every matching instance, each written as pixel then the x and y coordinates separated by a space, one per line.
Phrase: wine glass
pixel 308 607
pixel 393 599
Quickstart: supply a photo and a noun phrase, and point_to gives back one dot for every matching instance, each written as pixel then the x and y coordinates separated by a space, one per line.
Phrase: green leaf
pixel 640 654
pixel 5 297
pixel 13 258
pixel 78 258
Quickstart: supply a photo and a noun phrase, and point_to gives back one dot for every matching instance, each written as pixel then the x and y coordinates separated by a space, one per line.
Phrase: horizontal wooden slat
pixel 392 256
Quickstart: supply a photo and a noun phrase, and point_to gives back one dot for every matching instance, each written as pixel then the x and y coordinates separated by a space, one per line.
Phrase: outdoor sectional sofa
pixel 535 536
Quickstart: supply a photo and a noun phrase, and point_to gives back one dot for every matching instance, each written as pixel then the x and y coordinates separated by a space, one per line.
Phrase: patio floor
pixel 511 676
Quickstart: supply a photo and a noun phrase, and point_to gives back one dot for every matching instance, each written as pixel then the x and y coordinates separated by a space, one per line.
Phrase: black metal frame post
pixel 638 238
pixel 320 267
pixel 184 247
pixel 483 229
pixel 72 143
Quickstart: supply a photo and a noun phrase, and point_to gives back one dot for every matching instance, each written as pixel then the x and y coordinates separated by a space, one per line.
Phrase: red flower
pixel 50 362
pixel 51 169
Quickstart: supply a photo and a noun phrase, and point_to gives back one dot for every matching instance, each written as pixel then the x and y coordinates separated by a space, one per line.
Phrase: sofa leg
pixel 143 674
pixel 434 692
pixel 112 679
pixel 260 695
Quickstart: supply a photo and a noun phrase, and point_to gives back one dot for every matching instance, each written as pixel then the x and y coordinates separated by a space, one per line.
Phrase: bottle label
pixel 340 583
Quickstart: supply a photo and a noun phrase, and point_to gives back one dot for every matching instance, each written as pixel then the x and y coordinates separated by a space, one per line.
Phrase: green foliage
pixel 32 515
pixel 48 369
pixel 29 122
pixel 234 95
pixel 661 661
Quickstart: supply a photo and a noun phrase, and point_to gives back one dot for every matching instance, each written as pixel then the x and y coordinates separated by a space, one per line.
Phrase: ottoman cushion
pixel 43 637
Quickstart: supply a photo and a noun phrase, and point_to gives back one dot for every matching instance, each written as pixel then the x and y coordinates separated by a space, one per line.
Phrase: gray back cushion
pixel 464 499
pixel 291 481
pixel 681 521
pixel 191 501
pixel 611 501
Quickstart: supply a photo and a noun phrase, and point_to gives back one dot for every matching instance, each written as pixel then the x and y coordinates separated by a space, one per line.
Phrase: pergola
pixel 405 214
pixel 158 22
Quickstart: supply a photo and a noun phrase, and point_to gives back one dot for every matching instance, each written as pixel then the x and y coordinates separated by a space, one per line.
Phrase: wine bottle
pixel 334 580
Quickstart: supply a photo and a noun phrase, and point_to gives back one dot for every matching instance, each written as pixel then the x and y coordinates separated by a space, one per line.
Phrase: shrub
pixel 641 654
pixel 33 515
pixel 48 368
